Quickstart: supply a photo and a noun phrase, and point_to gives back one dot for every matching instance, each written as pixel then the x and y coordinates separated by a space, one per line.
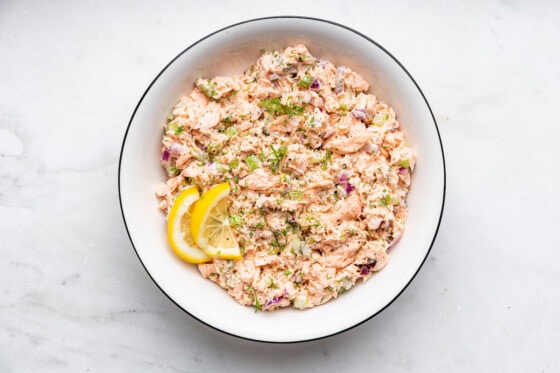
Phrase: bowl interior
pixel 231 51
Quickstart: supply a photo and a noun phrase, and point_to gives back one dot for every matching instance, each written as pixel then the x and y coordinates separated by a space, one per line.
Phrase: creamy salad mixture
pixel 319 174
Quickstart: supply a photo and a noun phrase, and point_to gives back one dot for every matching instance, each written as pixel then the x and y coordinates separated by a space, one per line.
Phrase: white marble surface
pixel 74 296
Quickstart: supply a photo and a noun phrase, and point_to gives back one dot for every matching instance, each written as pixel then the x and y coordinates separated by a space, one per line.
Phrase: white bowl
pixel 230 51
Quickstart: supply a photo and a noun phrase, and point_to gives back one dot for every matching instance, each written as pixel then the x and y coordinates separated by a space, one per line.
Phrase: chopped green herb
pixel 207 87
pixel 272 285
pixel 278 243
pixel 312 122
pixel 277 156
pixel 257 304
pixel 326 160
pixel 385 201
pixel 227 119
pixel 222 168
pixel 235 220
pixel 275 107
pixel 211 148
pixel 405 163
pixel 179 130
pixel 297 194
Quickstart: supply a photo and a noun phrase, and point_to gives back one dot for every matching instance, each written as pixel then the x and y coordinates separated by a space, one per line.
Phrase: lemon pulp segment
pixel 210 224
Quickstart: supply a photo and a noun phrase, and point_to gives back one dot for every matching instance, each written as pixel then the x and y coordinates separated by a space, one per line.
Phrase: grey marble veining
pixel 73 295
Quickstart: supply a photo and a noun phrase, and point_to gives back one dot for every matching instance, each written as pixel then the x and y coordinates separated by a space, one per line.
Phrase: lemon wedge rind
pixel 178 228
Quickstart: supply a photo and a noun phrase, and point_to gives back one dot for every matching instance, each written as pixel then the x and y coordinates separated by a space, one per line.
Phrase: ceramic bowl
pixel 230 51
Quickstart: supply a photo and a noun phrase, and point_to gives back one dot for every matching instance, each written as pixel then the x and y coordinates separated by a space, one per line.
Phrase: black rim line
pixel 256 20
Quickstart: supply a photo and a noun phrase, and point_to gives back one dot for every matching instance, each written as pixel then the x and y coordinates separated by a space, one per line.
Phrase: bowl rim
pixel 275 18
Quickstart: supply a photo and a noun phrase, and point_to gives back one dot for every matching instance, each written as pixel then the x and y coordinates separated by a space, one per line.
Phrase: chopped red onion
pixel 317 102
pixel 212 168
pixel 339 86
pixel 315 85
pixel 274 301
pixel 403 170
pixel 328 134
pixel 343 180
pixel 292 221
pixel 165 156
pixel 370 147
pixel 374 223
pixel 366 268
pixel 176 149
pixel 343 176
pixel 359 113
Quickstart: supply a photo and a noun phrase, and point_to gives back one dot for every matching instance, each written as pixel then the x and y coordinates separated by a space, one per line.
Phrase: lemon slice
pixel 210 224
pixel 179 227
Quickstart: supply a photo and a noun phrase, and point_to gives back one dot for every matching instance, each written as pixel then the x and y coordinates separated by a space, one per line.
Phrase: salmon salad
pixel 319 171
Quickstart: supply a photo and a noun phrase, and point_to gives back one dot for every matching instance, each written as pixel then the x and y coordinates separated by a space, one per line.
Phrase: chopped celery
pixel 233 164
pixel 305 82
pixel 345 102
pixel 380 119
pixel 316 158
pixel 395 200
pixel 252 162
pixel 230 132
pixel 173 125
pixel 301 302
